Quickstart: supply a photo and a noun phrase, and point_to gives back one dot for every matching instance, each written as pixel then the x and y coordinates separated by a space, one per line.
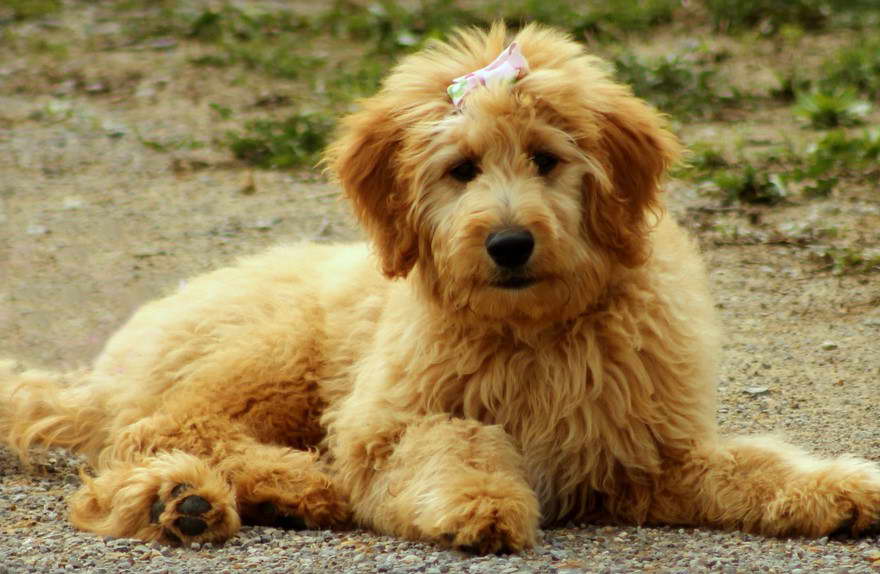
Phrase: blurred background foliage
pixel 693 59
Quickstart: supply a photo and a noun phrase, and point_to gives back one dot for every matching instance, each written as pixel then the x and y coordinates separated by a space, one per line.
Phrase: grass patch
pixel 825 109
pixel 356 80
pixel 768 16
pixel 294 141
pixel 836 156
pixel 685 85
pixel 857 66
pixel 144 21
pixel 701 162
pixel 852 70
pixel 750 185
pixel 269 42
pixel 849 260
pixel 390 28
pixel 791 83
pixel 596 19
pixel 28 9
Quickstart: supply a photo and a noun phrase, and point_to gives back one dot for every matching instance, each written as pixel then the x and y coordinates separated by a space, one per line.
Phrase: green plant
pixel 686 85
pixel 630 15
pixel 706 158
pixel 821 188
pixel 856 65
pixel 390 27
pixel 222 112
pixel 29 9
pixel 270 42
pixel 845 260
pixel 838 154
pixel 291 142
pixel 768 16
pixel 701 162
pixel 145 20
pixel 825 109
pixel 750 185
pixel 357 79
pixel 790 84
pixel 589 18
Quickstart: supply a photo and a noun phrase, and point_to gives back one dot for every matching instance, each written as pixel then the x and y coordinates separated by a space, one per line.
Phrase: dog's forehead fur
pixel 565 87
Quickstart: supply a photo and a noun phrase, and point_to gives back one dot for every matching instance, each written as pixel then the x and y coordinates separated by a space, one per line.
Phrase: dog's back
pixel 210 332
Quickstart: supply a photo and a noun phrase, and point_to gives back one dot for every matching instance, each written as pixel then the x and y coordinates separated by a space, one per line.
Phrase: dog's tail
pixel 48 409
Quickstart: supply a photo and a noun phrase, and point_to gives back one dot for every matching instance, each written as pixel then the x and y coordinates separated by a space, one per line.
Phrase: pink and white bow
pixel 508 67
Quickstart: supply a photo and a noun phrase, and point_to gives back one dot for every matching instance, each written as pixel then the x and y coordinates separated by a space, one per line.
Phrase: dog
pixel 526 338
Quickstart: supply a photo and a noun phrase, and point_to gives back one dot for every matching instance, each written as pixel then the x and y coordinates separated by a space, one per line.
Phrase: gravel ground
pixel 35 538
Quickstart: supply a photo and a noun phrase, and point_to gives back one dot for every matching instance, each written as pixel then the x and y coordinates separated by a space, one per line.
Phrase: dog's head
pixel 523 202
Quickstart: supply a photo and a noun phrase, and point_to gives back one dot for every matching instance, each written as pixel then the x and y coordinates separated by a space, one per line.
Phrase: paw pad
pixel 193 505
pixel 190 526
pixel 191 508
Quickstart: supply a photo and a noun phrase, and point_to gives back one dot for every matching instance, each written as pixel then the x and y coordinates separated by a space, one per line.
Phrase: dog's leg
pixel 283 487
pixel 171 497
pixel 764 486
pixel 453 481
pixel 267 484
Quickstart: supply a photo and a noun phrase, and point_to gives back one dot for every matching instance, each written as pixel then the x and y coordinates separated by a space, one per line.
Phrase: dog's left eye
pixel 545 162
pixel 465 171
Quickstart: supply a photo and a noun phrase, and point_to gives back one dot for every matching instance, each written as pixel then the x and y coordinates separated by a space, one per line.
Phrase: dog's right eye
pixel 465 171
pixel 545 162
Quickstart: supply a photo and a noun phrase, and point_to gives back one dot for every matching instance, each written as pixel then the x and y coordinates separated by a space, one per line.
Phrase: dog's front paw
pixel 840 498
pixel 493 516
pixel 186 514
pixel 490 526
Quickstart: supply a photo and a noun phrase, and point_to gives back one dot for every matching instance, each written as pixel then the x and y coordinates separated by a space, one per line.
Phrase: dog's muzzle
pixel 510 248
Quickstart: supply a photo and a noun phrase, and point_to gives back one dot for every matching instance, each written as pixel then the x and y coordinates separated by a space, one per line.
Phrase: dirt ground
pixel 93 223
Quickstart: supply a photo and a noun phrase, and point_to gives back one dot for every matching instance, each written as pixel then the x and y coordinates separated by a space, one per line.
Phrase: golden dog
pixel 529 341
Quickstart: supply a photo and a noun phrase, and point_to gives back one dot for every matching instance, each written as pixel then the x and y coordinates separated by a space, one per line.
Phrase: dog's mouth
pixel 515 282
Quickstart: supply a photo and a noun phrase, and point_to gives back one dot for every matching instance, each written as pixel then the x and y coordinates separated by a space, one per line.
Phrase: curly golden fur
pixel 428 387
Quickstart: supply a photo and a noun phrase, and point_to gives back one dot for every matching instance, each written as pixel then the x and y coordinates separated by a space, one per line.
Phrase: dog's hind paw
pixel 189 515
pixel 174 498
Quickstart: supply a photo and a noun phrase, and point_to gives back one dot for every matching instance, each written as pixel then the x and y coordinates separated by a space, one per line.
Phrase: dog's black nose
pixel 510 248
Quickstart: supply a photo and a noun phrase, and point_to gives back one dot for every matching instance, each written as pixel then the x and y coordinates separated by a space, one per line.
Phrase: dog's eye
pixel 465 171
pixel 545 162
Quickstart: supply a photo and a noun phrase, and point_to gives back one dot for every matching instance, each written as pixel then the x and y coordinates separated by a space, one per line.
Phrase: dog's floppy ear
pixel 635 150
pixel 363 158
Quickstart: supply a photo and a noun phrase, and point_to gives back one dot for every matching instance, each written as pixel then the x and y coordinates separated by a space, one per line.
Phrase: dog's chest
pixel 575 408
pixel 533 392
